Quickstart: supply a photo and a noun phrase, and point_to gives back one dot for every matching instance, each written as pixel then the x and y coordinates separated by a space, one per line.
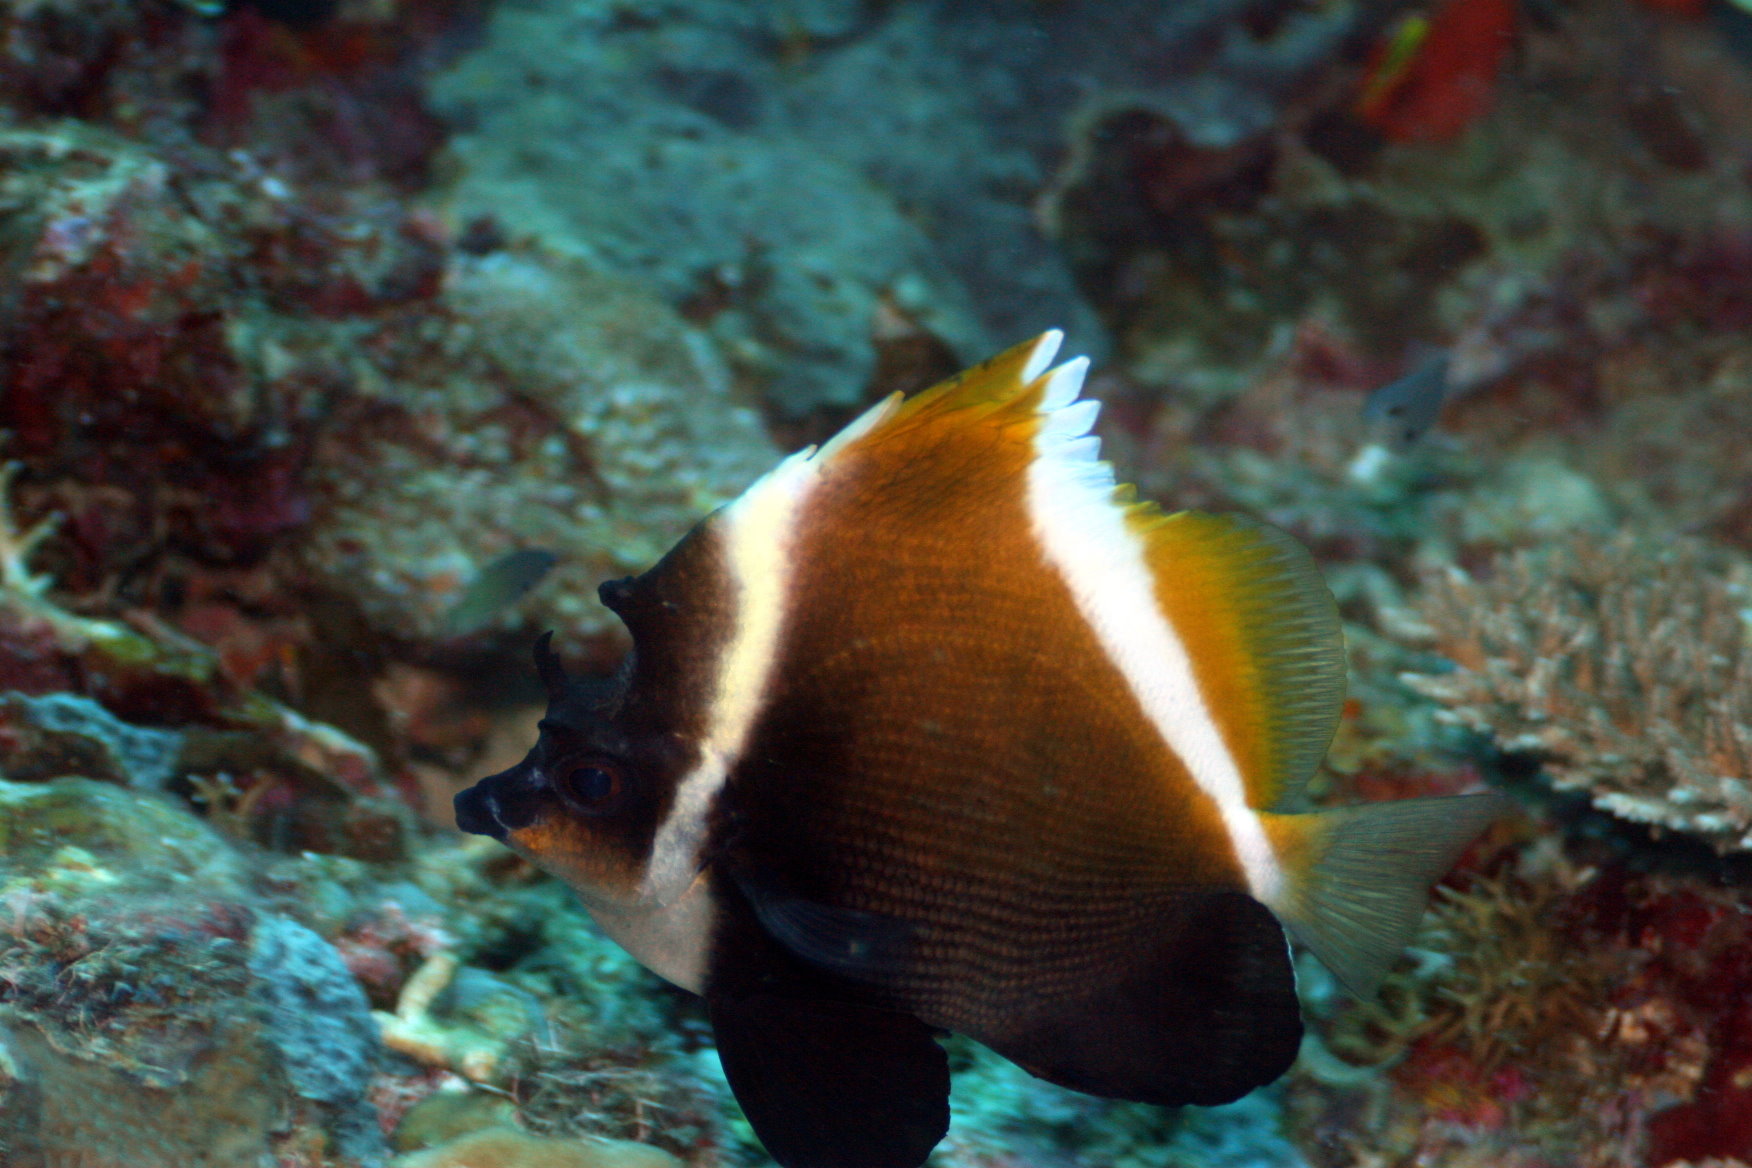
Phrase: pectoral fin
pixel 864 946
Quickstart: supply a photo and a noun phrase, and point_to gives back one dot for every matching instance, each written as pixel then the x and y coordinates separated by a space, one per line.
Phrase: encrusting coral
pixel 1626 667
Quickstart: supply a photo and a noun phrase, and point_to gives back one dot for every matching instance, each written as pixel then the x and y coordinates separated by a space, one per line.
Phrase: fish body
pixel 1433 76
pixel 938 728
pixel 1404 409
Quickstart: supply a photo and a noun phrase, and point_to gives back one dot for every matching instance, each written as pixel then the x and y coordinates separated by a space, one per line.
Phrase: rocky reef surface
pixel 787 171
pixel 345 345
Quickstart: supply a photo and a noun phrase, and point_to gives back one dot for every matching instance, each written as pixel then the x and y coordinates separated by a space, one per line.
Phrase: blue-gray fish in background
pixel 496 588
pixel 1403 410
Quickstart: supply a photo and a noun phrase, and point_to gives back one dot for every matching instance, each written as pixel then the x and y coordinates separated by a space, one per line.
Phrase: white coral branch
pixel 16 547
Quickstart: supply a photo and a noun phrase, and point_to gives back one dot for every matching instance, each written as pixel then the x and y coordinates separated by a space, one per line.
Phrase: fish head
pixel 585 803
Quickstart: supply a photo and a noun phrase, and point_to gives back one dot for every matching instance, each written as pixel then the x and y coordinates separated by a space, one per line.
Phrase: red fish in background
pixel 1434 75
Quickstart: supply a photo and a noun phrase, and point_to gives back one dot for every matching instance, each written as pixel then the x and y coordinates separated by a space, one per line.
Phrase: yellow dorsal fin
pixel 1262 634
pixel 999 385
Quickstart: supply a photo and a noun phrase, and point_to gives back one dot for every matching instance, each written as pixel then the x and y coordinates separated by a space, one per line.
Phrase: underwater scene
pixel 870 583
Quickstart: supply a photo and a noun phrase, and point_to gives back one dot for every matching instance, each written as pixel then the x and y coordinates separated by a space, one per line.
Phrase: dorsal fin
pixel 1263 634
pixel 1261 629
pixel 992 387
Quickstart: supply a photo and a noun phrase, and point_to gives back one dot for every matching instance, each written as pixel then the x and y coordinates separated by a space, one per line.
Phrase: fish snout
pixel 499 804
pixel 476 812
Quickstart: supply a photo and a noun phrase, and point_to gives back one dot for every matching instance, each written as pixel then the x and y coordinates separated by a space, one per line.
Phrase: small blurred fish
pixel 1402 411
pixel 497 587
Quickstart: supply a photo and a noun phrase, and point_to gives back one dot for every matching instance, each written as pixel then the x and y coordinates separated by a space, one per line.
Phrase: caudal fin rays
pixel 1357 879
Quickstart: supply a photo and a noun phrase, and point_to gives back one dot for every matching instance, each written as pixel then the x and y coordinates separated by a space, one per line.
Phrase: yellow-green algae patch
pixel 506 1147
pixel 89 833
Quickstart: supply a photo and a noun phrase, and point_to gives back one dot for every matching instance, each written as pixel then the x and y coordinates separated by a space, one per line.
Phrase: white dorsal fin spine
pixel 1062 387
pixel 1046 347
pixel 1070 424
pixel 1079 516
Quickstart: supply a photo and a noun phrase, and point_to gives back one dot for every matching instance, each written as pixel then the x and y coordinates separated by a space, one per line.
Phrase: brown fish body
pixel 937 728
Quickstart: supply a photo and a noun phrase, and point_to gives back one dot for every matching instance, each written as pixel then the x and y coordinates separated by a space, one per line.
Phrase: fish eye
pixel 595 787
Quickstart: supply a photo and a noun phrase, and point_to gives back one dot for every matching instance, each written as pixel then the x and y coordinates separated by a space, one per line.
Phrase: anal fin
pixel 830 1084
pixel 1204 1011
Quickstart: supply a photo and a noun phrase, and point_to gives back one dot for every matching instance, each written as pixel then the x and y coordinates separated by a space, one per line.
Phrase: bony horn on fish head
pixel 547 665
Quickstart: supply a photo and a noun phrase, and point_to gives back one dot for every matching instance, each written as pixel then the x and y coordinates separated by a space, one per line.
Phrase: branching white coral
pixel 16 547
pixel 1625 666
pixel 414 1031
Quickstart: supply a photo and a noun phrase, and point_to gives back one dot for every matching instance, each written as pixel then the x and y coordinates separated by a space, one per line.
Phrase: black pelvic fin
pixel 1204 1012
pixel 830 1084
pixel 547 664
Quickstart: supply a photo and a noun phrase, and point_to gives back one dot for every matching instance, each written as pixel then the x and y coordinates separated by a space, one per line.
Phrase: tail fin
pixel 1356 879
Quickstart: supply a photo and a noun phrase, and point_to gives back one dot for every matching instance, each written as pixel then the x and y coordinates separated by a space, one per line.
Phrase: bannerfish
pixel 938 728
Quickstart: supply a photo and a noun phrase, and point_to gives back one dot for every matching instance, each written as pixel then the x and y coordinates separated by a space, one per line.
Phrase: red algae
pixel 1431 84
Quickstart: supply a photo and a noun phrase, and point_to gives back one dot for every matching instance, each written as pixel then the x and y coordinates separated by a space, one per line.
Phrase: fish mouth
pixel 478 813
pixel 500 804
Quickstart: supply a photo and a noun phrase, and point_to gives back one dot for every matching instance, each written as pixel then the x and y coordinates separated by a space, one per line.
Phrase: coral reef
pixel 1540 239
pixel 126 1004
pixel 355 373
pixel 315 1017
pixel 65 734
pixel 563 410
pixel 1556 1013
pixel 1625 667
pixel 316 314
